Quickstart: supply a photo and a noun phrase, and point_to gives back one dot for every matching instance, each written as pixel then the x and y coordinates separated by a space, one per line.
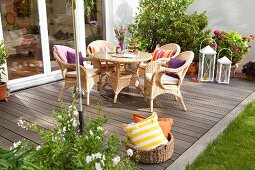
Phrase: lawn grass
pixel 234 148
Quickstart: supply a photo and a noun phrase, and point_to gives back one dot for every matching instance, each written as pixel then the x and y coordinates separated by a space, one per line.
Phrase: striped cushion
pixel 160 53
pixel 93 50
pixel 146 134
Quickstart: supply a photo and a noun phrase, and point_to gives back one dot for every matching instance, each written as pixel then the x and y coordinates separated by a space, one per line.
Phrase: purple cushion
pixel 71 59
pixel 174 63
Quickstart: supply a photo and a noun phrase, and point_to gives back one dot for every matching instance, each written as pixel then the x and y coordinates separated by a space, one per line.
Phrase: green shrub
pixel 64 148
pixel 166 21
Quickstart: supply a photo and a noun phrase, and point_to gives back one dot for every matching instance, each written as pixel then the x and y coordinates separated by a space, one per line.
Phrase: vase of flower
pixel 120 34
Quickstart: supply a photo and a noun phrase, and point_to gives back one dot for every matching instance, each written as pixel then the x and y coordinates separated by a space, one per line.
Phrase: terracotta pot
pixel 192 68
pixel 3 91
pixel 250 77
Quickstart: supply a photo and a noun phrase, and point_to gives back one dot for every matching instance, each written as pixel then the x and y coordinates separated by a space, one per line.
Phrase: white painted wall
pixel 233 15
pixel 118 12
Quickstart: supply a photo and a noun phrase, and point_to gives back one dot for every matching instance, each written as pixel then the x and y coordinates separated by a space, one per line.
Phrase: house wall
pixel 233 15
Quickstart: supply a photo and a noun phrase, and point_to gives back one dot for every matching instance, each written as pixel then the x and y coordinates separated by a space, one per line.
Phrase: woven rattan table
pixel 123 76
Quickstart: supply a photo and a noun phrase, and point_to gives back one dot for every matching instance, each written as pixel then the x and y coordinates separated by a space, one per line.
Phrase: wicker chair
pixel 89 77
pixel 156 81
pixel 171 46
pixel 104 66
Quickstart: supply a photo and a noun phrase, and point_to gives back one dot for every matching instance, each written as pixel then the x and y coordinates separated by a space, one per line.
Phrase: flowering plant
pixel 120 33
pixel 249 68
pixel 238 44
pixel 64 148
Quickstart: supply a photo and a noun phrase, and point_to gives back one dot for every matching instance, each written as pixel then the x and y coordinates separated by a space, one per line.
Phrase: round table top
pixel 123 58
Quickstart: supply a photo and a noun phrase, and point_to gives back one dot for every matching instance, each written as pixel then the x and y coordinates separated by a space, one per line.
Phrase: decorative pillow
pixel 164 123
pixel 71 59
pixel 174 63
pixel 146 134
pixel 160 53
pixel 93 50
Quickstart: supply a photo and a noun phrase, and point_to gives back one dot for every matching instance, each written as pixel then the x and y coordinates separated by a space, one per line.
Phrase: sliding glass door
pixel 21 32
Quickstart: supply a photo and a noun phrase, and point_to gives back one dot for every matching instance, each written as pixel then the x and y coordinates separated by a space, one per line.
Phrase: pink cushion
pixel 62 51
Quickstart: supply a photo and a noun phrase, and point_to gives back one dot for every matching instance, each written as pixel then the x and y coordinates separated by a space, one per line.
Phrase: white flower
pixel 102 162
pixel 103 158
pixel 88 159
pixel 98 166
pixel 116 160
pixel 74 123
pixel 106 132
pixel 64 129
pixel 38 147
pixel 21 123
pixel 98 138
pixel 129 152
pixel 98 155
pixel 86 137
pixel 15 145
pixel 99 128
pixel 59 117
pixel 91 133
pixel 75 113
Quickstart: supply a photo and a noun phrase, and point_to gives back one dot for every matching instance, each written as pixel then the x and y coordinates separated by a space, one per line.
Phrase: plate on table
pixel 125 55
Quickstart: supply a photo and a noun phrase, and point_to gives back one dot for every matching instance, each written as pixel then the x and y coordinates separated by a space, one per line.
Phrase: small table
pixel 122 77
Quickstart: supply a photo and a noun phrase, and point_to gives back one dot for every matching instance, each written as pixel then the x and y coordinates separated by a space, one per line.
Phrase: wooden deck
pixel 207 104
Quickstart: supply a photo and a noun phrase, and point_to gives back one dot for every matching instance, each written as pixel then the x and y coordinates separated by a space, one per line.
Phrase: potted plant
pixel 237 43
pixel 3 59
pixel 249 70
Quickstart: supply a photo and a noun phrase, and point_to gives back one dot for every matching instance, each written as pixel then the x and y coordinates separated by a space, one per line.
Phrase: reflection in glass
pixel 22 38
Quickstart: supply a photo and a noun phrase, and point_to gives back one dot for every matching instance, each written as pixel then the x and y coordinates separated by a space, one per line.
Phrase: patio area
pixel 207 104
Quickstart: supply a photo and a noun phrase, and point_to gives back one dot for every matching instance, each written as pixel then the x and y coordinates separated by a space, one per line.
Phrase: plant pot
pixel 192 68
pixel 3 91
pixel 233 70
pixel 250 77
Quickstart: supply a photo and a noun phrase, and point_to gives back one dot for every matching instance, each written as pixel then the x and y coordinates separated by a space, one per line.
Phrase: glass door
pixel 21 32
pixel 60 26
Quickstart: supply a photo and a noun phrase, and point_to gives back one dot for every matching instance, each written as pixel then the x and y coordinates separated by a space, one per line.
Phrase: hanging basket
pixel 158 155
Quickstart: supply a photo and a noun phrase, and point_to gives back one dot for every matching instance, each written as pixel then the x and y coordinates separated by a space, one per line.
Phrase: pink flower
pixel 214 46
pixel 234 48
pixel 223 37
pixel 217 32
pixel 245 38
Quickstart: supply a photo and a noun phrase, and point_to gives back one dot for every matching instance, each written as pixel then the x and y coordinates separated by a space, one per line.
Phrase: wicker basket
pixel 160 154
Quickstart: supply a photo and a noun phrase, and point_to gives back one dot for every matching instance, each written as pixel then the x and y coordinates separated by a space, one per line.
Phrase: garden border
pixel 199 146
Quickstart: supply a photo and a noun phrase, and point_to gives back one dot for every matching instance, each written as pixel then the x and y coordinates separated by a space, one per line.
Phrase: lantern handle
pixel 231 54
pixel 209 39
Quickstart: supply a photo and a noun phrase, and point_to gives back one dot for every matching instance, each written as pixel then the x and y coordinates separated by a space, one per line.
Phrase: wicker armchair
pixel 156 81
pixel 100 44
pixel 89 77
pixel 171 46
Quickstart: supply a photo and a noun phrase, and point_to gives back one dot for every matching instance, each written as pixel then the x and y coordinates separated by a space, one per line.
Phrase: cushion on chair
pixel 93 50
pixel 165 79
pixel 146 134
pixel 91 72
pixel 174 63
pixel 62 51
pixel 164 123
pixel 71 58
pixel 161 53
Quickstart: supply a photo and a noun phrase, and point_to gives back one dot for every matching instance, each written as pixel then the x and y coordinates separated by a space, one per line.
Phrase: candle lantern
pixel 223 68
pixel 207 59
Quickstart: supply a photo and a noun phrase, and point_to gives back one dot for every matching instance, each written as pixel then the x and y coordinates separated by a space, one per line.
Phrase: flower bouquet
pixel 120 34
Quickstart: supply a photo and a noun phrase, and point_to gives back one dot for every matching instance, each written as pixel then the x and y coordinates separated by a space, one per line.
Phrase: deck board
pixel 207 104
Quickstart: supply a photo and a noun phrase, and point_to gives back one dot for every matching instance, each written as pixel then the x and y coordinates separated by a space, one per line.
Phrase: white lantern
pixel 223 69
pixel 206 64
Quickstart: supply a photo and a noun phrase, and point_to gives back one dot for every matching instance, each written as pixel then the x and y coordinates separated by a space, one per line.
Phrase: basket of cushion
pixel 147 140
pixel 157 155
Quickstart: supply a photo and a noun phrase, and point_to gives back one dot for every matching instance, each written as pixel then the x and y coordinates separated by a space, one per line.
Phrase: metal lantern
pixel 223 68
pixel 207 59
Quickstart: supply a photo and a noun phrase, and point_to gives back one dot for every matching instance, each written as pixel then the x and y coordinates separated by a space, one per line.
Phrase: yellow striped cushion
pixel 160 53
pixel 146 134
